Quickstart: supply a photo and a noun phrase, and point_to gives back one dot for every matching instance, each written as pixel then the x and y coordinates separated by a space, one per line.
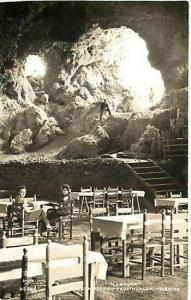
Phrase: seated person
pixel 65 207
pixel 20 203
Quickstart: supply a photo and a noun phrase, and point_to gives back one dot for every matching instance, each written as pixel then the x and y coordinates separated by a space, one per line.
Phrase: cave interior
pixel 59 60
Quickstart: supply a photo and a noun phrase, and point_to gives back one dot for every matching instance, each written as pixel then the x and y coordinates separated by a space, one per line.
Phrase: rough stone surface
pixel 89 145
pixel 82 71
pixel 48 130
pixel 21 141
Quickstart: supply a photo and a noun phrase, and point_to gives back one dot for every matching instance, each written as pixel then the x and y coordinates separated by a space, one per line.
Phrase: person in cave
pixel 20 203
pixel 151 97
pixel 104 107
pixel 65 207
pixel 44 99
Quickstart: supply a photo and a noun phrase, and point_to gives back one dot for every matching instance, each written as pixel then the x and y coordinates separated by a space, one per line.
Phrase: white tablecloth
pixel 77 195
pixel 117 226
pixel 173 202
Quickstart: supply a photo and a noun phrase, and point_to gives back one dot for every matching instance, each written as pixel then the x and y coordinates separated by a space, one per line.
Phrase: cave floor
pixel 153 287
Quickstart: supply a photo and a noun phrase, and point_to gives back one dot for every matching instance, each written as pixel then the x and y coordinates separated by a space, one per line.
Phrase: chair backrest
pixel 122 210
pixel 18 241
pixel 99 211
pixel 160 196
pixel 153 225
pixel 112 189
pixel 175 195
pixel 86 189
pixel 179 225
pixel 112 194
pixel 99 190
pixel 75 269
pixel 23 226
pixel 99 197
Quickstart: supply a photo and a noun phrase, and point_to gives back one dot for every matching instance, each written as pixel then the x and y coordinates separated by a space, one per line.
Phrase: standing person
pixel 104 107
pixel 44 99
pixel 151 97
pixel 66 203
pixel 21 204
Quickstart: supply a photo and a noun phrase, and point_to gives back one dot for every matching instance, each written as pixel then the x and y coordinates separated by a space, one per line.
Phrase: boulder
pixel 82 147
pixel 48 130
pixel 21 141
pixel 35 117
pixel 89 145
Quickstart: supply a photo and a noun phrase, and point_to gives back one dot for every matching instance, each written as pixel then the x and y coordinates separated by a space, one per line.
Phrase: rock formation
pixel 84 58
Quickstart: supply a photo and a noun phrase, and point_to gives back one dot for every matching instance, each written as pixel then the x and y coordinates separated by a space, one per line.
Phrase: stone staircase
pixel 155 179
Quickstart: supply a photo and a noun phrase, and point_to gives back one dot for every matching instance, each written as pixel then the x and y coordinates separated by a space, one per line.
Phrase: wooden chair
pixel 76 274
pixel 65 225
pixel 112 197
pixel 175 195
pixel 99 198
pixel 178 241
pixel 126 197
pixel 153 238
pixel 21 227
pixel 147 248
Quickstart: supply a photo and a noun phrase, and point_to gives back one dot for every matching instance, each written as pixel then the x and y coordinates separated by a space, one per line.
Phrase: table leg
pixel 95 241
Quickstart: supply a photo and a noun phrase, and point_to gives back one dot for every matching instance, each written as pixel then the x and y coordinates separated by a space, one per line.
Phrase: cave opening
pixel 122 55
pixel 113 64
pixel 35 66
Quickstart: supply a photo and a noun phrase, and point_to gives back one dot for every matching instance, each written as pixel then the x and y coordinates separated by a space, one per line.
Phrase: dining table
pixel 174 203
pixel 121 227
pixel 118 227
pixel 83 197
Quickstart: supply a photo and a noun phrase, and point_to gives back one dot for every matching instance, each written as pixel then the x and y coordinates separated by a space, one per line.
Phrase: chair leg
pixel 71 225
pixel 162 260
pixel 144 258
pixel 60 228
pixel 172 258
pixel 92 281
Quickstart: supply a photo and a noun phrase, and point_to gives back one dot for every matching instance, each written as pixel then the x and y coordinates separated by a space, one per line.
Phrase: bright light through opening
pixel 126 53
pixel 35 66
pixel 136 73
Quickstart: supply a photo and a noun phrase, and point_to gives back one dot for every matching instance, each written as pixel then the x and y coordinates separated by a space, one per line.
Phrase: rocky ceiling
pixel 163 25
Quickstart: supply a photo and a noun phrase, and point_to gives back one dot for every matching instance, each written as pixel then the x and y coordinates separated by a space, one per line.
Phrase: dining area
pixel 108 234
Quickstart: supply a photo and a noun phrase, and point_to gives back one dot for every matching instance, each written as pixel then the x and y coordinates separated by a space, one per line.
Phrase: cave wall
pixel 163 25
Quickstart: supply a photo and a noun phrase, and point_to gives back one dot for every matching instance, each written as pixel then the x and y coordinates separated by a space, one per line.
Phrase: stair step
pixel 151 167
pixel 158 178
pixel 163 184
pixel 158 172
pixel 167 191
pixel 176 155
pixel 142 165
